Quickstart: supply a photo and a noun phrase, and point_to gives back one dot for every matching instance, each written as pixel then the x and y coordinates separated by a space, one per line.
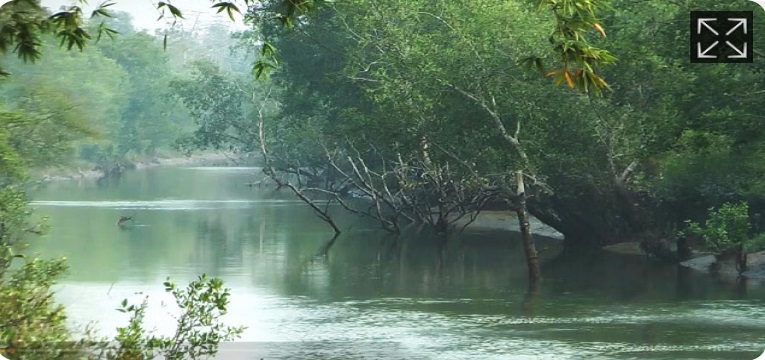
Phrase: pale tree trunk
pixel 532 258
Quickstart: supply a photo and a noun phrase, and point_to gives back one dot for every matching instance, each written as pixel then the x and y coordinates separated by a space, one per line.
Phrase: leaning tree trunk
pixel 599 216
pixel 532 257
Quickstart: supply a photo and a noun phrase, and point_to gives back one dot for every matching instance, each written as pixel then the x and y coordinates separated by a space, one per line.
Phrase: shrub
pixel 198 332
pixel 29 317
pixel 33 322
pixel 725 228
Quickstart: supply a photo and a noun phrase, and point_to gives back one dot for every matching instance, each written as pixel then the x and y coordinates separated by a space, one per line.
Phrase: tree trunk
pixel 532 258
pixel 597 217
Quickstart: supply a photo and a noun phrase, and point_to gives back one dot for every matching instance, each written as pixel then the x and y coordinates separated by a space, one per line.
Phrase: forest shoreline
pixel 92 171
pixel 725 270
pixel 489 220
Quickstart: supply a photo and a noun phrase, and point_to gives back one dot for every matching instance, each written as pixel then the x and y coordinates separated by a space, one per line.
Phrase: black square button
pixel 721 37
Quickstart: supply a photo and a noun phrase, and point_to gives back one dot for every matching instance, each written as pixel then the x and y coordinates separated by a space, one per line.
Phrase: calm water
pixel 374 296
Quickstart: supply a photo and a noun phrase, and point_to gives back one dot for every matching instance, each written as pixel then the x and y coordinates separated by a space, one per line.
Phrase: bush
pixel 725 228
pixel 33 322
pixel 29 318
pixel 756 244
pixel 198 332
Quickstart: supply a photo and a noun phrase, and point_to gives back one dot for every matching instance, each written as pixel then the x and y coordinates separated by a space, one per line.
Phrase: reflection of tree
pixel 327 246
pixel 110 180
pixel 532 293
pixel 220 241
pixel 416 264
pixel 684 284
pixel 740 287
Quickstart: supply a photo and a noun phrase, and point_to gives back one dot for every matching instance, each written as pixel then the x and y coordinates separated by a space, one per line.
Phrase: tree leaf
pixel 599 29
pixel 569 82
pixel 174 11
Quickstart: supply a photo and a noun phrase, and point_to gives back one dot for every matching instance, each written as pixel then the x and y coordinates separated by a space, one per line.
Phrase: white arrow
pixel 703 54
pixel 759 2
pixel 741 54
pixel 740 23
pixel 703 21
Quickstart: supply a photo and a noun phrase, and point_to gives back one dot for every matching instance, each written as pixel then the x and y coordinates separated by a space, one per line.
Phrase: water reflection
pixel 465 296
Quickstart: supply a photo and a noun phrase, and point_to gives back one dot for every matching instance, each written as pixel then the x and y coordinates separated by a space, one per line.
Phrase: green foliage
pixel 52 109
pixel 199 330
pixel 726 227
pixel 30 320
pixel 151 120
pixel 229 7
pixel 28 315
pixel 110 102
pixel 578 59
pixel 10 163
pixel 667 144
pixel 25 22
pixel 33 326
pixel 116 93
pixel 757 243
pixel 41 139
pixel 14 225
pixel 219 104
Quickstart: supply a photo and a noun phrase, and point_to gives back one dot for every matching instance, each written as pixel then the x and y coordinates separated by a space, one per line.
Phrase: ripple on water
pixel 172 204
pixel 306 328
pixel 223 168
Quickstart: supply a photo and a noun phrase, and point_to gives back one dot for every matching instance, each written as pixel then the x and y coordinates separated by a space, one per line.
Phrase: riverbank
pixel 725 270
pixel 91 171
pixel 506 220
pixel 490 220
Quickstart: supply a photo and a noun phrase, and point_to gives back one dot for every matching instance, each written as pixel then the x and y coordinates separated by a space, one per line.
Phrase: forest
pixel 419 115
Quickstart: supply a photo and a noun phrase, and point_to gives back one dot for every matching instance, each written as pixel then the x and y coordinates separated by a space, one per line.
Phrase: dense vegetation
pixel 429 111
pixel 442 90
pixel 100 107
pixel 108 104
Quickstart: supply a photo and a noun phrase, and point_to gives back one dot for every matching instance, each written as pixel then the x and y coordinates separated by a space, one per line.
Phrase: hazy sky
pixel 144 12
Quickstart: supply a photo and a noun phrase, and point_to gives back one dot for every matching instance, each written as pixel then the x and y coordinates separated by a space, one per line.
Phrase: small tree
pixel 726 228
pixel 726 232
pixel 198 332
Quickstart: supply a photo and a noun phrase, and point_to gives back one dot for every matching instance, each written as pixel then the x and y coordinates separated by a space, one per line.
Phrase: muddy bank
pixel 725 270
pixel 506 220
pixel 94 172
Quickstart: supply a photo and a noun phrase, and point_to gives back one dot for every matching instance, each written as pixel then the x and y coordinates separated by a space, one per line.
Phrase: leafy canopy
pixel 24 21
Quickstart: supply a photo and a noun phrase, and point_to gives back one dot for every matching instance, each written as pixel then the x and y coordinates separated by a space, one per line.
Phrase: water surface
pixel 373 296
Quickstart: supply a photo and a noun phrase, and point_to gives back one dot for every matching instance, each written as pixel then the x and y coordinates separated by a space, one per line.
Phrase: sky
pixel 197 13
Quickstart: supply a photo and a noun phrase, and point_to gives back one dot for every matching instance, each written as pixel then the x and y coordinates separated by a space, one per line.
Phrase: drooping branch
pixel 271 172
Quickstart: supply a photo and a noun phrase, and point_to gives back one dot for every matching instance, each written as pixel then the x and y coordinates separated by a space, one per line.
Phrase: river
pixel 373 296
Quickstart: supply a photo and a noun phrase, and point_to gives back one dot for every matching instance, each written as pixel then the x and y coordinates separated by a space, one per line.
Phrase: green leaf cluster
pixel 726 227
pixel 198 333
